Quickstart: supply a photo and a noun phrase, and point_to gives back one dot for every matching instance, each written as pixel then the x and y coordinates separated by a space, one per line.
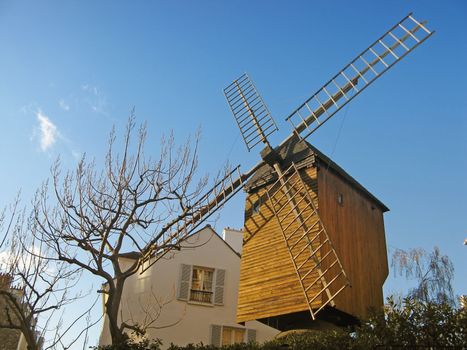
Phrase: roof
pixel 303 154
pixel 135 256
pixel 208 226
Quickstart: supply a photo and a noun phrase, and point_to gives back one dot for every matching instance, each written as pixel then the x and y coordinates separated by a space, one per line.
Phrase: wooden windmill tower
pixel 314 240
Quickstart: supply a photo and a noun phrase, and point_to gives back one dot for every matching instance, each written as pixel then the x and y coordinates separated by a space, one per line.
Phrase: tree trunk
pixel 112 307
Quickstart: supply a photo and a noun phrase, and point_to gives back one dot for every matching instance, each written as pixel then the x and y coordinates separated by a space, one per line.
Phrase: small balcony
pixel 201 296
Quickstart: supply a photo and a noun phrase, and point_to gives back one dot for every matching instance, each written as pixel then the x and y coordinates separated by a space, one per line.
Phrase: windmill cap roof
pixel 304 154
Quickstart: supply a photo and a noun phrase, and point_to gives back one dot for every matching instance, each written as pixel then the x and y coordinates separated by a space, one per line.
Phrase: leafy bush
pixel 412 323
pixel 319 340
pixel 408 324
pixel 132 345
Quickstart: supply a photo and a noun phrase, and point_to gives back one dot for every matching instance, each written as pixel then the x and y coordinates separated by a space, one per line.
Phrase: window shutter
pixel 216 335
pixel 250 335
pixel 219 288
pixel 184 283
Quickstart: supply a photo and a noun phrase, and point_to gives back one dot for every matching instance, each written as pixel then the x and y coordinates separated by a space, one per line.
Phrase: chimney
pixel 233 238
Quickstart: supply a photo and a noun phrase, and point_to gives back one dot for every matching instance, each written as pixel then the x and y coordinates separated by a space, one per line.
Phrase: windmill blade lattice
pixel 319 270
pixel 202 209
pixel 384 53
pixel 250 112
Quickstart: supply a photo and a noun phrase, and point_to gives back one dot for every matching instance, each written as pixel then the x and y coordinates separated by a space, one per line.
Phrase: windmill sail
pixel 315 261
pixel 250 111
pixel 203 208
pixel 384 53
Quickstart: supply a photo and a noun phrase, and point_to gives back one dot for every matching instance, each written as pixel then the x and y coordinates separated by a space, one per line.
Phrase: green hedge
pixel 339 339
pixel 406 325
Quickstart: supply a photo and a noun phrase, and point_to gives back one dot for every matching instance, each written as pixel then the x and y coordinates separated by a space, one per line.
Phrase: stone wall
pixel 9 338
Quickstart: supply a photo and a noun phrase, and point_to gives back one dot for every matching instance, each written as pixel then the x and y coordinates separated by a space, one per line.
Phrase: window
pixel 224 335
pixel 231 335
pixel 256 206
pixel 201 284
pixel 340 199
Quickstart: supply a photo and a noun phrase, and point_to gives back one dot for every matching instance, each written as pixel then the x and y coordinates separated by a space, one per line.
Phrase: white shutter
pixel 184 282
pixel 219 287
pixel 216 335
pixel 250 335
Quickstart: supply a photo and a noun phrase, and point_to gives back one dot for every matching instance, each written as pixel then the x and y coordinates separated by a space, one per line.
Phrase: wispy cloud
pixel 63 105
pixel 48 131
pixel 29 108
pixel 97 99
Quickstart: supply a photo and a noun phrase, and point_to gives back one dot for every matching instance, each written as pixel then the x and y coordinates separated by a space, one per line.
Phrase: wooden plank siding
pixel 268 281
pixel 356 228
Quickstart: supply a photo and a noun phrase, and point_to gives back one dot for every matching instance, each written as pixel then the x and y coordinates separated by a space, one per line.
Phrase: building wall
pixel 268 282
pixel 183 322
pixel 356 229
pixel 10 339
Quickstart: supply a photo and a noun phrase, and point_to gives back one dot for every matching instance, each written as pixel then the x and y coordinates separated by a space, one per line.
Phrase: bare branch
pixel 104 221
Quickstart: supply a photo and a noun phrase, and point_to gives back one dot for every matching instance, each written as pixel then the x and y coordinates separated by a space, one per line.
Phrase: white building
pixel 190 296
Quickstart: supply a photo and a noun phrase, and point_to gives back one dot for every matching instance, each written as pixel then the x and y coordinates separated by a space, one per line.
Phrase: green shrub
pixel 408 324
pixel 132 345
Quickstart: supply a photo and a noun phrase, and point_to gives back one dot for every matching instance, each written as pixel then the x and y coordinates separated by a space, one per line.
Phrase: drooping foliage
pixel 433 273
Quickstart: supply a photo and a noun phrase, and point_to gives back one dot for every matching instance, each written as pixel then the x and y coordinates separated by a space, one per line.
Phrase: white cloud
pixel 63 105
pixel 48 131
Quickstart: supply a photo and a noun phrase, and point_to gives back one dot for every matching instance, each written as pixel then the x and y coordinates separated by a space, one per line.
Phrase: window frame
pixel 185 285
pixel 256 206
pixel 217 335
pixel 212 290
pixel 232 335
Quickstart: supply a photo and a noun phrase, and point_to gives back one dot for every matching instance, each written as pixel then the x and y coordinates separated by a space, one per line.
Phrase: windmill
pixel 285 190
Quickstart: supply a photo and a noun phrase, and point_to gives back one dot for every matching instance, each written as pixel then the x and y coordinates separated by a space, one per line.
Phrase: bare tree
pixel 100 216
pixel 9 220
pixel 34 289
pixel 432 271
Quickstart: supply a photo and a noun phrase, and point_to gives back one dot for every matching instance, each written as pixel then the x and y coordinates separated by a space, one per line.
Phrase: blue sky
pixel 71 70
